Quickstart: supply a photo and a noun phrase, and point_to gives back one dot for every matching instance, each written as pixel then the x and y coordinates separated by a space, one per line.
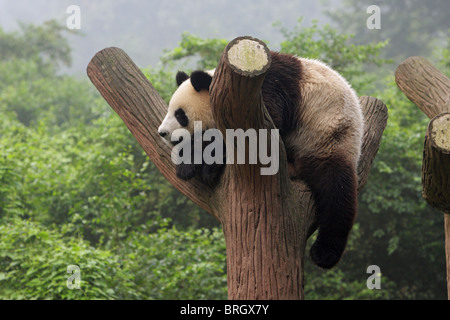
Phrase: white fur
pixel 195 104
pixel 328 103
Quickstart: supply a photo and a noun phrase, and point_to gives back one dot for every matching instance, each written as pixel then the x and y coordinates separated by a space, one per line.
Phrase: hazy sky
pixel 144 28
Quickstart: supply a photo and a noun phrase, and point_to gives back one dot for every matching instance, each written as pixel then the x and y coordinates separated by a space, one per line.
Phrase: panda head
pixel 189 103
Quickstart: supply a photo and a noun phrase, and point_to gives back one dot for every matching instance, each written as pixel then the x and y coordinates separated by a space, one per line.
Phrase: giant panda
pixel 321 124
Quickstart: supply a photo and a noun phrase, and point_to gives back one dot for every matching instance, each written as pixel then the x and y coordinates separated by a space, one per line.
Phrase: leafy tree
pixel 34 261
pixel 30 86
pixel 207 51
pixel 173 264
pixel 44 44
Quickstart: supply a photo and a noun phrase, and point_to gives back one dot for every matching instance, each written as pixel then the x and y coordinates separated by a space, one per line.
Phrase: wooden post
pixel 429 89
pixel 447 249
pixel 436 175
pixel 266 219
pixel 436 163
pixel 258 215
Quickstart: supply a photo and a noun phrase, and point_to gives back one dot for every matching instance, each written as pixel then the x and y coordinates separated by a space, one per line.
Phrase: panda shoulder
pixel 311 61
pixel 317 69
pixel 314 64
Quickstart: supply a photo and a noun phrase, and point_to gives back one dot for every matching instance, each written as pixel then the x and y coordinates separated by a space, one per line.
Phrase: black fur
pixel 333 183
pixel 181 77
pixel 181 117
pixel 208 173
pixel 200 80
pixel 281 93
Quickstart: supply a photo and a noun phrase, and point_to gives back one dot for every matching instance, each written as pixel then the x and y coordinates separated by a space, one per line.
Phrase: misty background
pixel 144 29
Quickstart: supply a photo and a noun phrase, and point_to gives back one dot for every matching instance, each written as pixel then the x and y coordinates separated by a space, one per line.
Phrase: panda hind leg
pixel 333 183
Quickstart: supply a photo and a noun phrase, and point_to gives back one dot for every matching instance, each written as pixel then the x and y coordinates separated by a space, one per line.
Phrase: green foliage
pixel 443 56
pixel 29 84
pixel 206 51
pixel 163 80
pixel 335 285
pixel 168 264
pixel 400 160
pixel 34 261
pixel 45 44
pixel 172 264
pixel 85 183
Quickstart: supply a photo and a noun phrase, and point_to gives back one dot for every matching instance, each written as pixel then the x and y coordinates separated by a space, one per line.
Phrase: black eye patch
pixel 181 117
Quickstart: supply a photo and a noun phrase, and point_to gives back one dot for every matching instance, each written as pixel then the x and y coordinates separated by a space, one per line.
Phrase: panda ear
pixel 201 80
pixel 181 77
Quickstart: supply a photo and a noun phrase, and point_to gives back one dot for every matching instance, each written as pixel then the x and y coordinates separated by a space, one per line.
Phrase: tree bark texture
pixel 261 227
pixel 375 119
pixel 447 249
pixel 424 85
pixel 436 163
pixel 266 219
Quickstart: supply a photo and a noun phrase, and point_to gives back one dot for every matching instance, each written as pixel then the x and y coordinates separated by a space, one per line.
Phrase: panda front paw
pixel 211 173
pixel 186 171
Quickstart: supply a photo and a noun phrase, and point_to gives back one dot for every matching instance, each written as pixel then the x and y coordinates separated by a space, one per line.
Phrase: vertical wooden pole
pixel 447 249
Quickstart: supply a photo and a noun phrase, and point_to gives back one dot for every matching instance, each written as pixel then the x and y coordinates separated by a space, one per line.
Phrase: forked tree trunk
pixel 266 219
pixel 429 89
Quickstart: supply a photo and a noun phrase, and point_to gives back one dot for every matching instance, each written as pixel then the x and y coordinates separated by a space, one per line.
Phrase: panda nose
pixel 163 133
